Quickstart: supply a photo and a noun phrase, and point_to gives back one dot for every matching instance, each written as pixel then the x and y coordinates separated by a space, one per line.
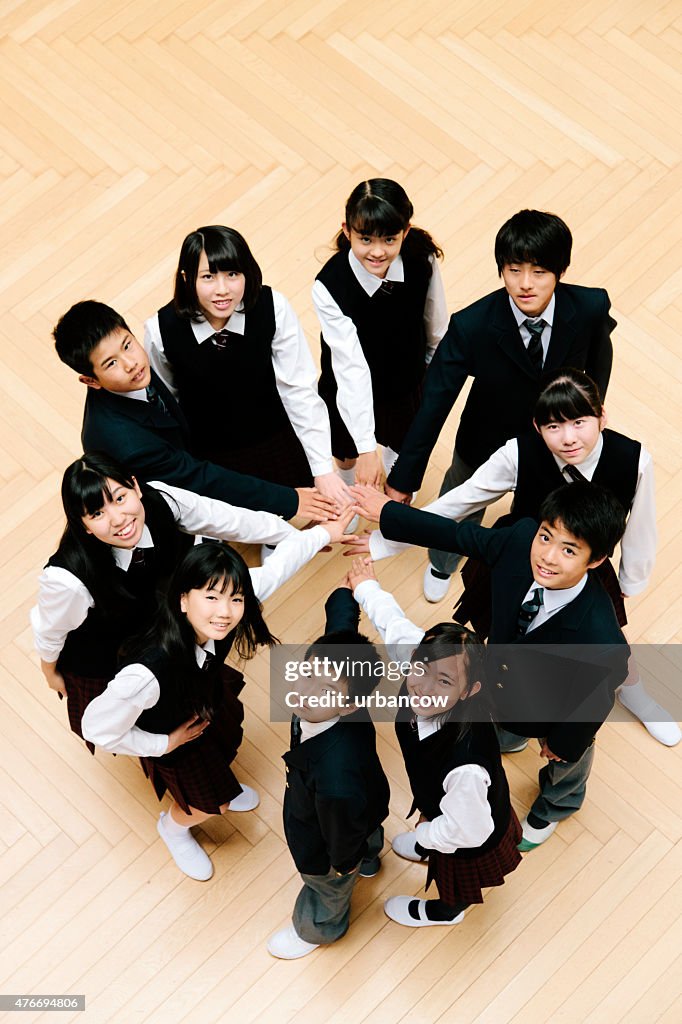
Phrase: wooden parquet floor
pixel 124 126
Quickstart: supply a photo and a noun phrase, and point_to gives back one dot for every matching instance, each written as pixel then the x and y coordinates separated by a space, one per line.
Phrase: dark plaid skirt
pixel 279 459
pixel 198 774
pixel 80 690
pixel 392 420
pixel 475 604
pixel 460 879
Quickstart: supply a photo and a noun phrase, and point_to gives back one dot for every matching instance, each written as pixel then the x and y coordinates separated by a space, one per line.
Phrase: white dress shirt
pixel 465 819
pixel 109 720
pixel 499 474
pixel 295 376
pixel 547 315
pixel 552 601
pixel 354 398
pixel 64 601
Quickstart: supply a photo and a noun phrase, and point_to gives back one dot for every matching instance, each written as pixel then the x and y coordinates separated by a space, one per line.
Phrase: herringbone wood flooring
pixel 122 127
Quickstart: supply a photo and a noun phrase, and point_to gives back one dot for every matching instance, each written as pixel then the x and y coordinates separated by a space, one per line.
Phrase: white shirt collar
pixel 427 726
pixel 589 465
pixel 370 282
pixel 553 600
pixel 547 313
pixel 124 556
pixel 310 729
pixel 139 396
pixel 201 652
pixel 236 324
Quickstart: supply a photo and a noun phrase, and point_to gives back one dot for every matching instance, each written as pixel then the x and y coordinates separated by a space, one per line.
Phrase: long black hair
pixel 380 206
pixel 225 250
pixel 84 490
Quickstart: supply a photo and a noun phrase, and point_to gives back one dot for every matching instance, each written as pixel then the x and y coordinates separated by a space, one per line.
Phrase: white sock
pixel 348 476
pixel 171 826
pixel 389 458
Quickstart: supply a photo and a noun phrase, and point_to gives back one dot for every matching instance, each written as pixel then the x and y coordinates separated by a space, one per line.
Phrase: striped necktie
pixel 575 474
pixel 529 610
pixel 535 354
pixel 155 399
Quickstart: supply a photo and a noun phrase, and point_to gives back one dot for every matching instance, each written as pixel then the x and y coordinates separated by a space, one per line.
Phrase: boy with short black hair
pixel 543 595
pixel 336 795
pixel 131 415
pixel 505 341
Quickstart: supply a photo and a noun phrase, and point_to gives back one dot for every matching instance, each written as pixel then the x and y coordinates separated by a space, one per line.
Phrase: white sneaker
pixel 435 589
pixel 656 720
pixel 533 837
pixel 247 800
pixel 186 853
pixel 403 845
pixel 265 551
pixel 397 908
pixel 288 945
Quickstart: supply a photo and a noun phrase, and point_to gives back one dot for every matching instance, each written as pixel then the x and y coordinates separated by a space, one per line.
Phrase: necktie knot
pixel 385 288
pixel 155 399
pixel 574 473
pixel 221 338
pixel 529 610
pixel 138 557
pixel 535 327
pixel 208 661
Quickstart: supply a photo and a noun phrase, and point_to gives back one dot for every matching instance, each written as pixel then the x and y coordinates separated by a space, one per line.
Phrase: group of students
pixel 136 615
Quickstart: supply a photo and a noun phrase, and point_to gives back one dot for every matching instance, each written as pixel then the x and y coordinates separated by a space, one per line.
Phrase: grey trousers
pixel 562 784
pixel 322 909
pixel 458 473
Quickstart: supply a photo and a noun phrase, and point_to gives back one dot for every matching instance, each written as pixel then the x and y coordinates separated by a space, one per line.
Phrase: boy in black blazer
pixel 336 795
pixel 505 341
pixel 131 415
pixel 543 595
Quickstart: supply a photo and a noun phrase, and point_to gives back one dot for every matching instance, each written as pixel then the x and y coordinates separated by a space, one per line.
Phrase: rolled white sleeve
pixel 436 316
pixel 157 356
pixel 465 820
pixel 63 604
pixel 491 481
pixel 296 379
pixel 395 629
pixel 109 720
pixel 638 546
pixel 354 399
pixel 287 558
pixel 197 514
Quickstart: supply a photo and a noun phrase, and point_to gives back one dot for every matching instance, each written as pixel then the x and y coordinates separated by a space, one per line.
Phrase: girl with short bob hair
pixel 232 351
pixel 467 827
pixel 382 311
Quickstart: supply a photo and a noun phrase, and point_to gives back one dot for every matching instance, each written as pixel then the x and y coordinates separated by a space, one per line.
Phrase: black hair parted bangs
pixel 226 250
pixel 85 484
pixel 375 216
pixel 569 394
pixel 447 640
pixel 533 236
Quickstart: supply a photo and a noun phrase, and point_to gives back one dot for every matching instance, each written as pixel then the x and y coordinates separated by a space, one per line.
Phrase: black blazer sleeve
pixel 402 522
pixel 600 357
pixel 342 611
pixel 445 377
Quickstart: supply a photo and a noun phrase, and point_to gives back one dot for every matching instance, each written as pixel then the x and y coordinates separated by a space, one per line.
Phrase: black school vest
pixel 429 761
pixel 390 327
pixel 92 649
pixel 176 704
pixel 539 475
pixel 229 396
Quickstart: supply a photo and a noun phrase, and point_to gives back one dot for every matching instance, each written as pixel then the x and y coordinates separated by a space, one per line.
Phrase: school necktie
pixel 138 559
pixel 535 328
pixel 155 399
pixel 208 661
pixel 575 474
pixel 386 288
pixel 529 610
pixel 221 338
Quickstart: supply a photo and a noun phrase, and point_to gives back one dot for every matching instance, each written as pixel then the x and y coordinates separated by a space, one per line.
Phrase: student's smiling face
pixel 374 252
pixel 119 364
pixel 218 293
pixel 445 680
pixel 120 520
pixel 558 559
pixel 530 286
pixel 213 612
pixel 572 440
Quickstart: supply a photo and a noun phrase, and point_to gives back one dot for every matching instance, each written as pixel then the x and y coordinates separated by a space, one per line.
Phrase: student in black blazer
pixel 543 595
pixel 505 341
pixel 131 415
pixel 336 795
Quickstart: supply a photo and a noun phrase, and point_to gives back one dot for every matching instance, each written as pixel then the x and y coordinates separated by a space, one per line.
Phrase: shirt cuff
pixel 365 587
pixel 321 468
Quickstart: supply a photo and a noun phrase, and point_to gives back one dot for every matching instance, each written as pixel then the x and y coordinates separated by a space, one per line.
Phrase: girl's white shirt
pixel 64 601
pixel 465 820
pixel 109 720
pixel 499 474
pixel 295 376
pixel 355 397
